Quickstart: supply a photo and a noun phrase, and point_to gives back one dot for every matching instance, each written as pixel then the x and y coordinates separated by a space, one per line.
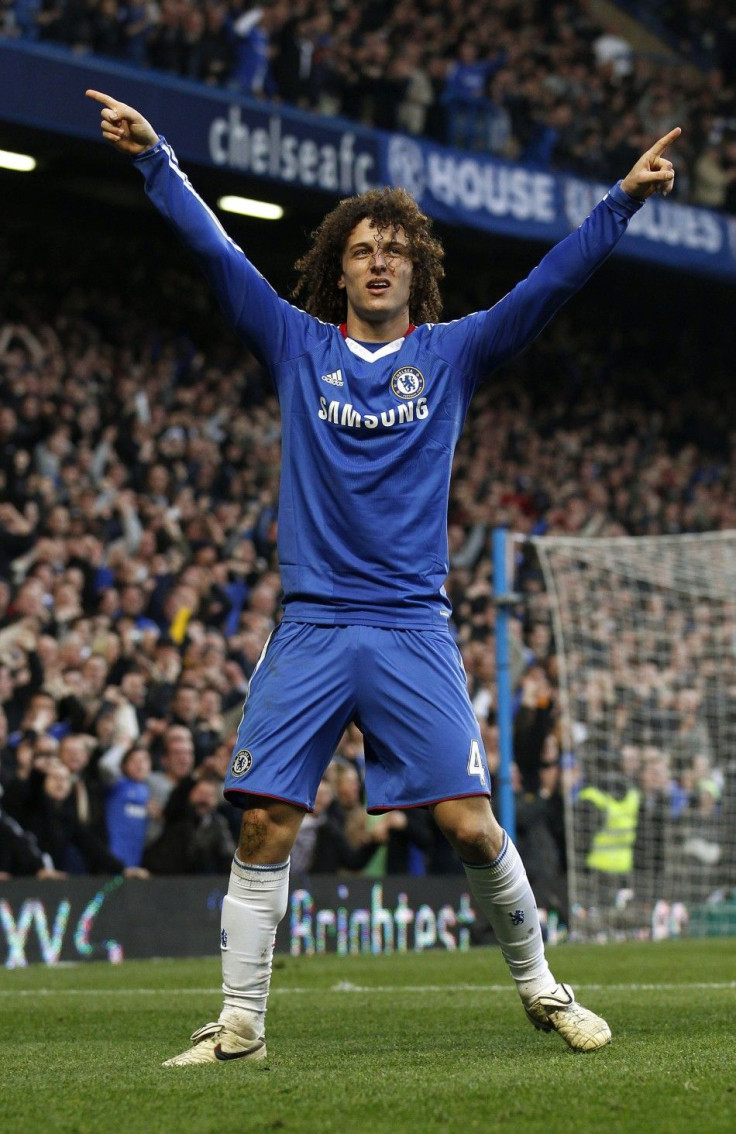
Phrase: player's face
pixel 376 274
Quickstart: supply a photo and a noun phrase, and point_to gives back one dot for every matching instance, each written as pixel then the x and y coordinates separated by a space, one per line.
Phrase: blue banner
pixel 501 197
pixel 44 87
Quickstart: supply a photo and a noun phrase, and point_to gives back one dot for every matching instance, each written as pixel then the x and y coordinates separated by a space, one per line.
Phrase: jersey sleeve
pixel 273 329
pixel 481 342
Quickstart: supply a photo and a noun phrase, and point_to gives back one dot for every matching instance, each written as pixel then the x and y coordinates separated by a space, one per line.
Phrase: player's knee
pixel 254 830
pixel 268 830
pixel 473 842
pixel 473 832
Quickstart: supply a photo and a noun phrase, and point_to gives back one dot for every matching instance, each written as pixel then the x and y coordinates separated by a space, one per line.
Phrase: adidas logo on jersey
pixel 334 379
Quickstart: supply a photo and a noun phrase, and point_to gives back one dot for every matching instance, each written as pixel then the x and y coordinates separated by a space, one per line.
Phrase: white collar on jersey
pixel 374 355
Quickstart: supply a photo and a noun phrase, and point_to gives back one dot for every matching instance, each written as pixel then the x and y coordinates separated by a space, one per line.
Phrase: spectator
pixel 33 756
pixel 301 49
pixel 71 846
pixel 216 56
pixel 252 72
pixel 348 806
pixel 699 849
pixel 198 843
pixel 414 91
pixel 410 841
pixel 7 755
pixel 141 17
pixel 464 95
pixel 613 53
pixel 40 717
pixel 714 174
pixel 321 846
pixel 177 763
pixel 20 855
pixel 532 724
pixel 609 813
pixel 85 795
pixel 165 42
pixel 126 806
pixel 192 44
pixel 108 29
pixel 654 822
pixel 541 837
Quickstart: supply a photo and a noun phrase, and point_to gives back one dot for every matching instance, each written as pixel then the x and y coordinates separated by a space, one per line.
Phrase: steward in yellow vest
pixel 612 849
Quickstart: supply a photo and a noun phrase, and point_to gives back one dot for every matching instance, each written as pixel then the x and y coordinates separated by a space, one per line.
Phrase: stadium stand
pixel 139 444
pixel 545 84
pixel 139 451
pixel 704 30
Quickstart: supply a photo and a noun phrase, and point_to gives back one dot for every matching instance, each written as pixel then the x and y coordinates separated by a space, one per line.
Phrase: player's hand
pixel 653 173
pixel 122 126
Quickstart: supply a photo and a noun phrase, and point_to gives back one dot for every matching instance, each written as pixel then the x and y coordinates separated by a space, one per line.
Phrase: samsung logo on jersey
pixel 343 413
pixel 272 152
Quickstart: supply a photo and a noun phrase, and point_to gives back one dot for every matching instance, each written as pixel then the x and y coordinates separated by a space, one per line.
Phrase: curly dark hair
pixel 387 209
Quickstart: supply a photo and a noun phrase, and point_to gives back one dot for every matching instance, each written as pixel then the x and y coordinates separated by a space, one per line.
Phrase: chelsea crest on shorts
pixel 242 762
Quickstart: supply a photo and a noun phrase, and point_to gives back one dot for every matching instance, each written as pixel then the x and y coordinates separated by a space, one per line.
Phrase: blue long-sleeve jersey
pixel 368 435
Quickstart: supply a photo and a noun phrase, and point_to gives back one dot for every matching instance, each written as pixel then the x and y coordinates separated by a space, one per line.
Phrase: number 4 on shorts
pixel 475 763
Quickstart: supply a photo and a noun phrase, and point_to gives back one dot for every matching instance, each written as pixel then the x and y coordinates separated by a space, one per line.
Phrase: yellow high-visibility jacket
pixel 612 850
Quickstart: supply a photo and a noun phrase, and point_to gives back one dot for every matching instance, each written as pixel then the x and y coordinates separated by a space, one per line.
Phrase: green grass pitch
pixel 414 1042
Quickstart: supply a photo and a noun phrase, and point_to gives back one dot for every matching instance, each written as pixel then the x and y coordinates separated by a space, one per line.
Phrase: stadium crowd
pixel 534 82
pixel 703 29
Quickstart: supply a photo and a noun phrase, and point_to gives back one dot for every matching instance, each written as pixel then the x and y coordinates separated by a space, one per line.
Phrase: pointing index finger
pixel 106 99
pixel 660 146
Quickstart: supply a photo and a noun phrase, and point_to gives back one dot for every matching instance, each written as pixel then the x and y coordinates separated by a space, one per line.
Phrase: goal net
pixel 645 640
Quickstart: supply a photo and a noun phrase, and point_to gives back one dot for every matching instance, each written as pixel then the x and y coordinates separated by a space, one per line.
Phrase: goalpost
pixel 645 642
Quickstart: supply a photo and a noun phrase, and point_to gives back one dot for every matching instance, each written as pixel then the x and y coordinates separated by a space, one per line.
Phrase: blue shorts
pixel 405 689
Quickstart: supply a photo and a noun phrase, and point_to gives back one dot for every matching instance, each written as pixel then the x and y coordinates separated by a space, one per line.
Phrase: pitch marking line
pixel 348 987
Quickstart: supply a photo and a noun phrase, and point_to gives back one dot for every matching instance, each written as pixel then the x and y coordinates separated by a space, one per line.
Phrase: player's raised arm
pixel 653 173
pixel 123 126
pixel 488 339
pixel 249 303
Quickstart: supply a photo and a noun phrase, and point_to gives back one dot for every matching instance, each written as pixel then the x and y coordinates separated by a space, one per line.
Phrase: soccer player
pixel 373 394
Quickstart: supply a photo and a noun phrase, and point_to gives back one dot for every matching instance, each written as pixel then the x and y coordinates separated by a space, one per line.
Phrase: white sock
pixel 254 905
pixel 502 891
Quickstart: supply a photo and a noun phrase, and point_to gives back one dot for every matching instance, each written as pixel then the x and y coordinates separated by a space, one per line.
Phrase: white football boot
pixel 558 1011
pixel 222 1040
